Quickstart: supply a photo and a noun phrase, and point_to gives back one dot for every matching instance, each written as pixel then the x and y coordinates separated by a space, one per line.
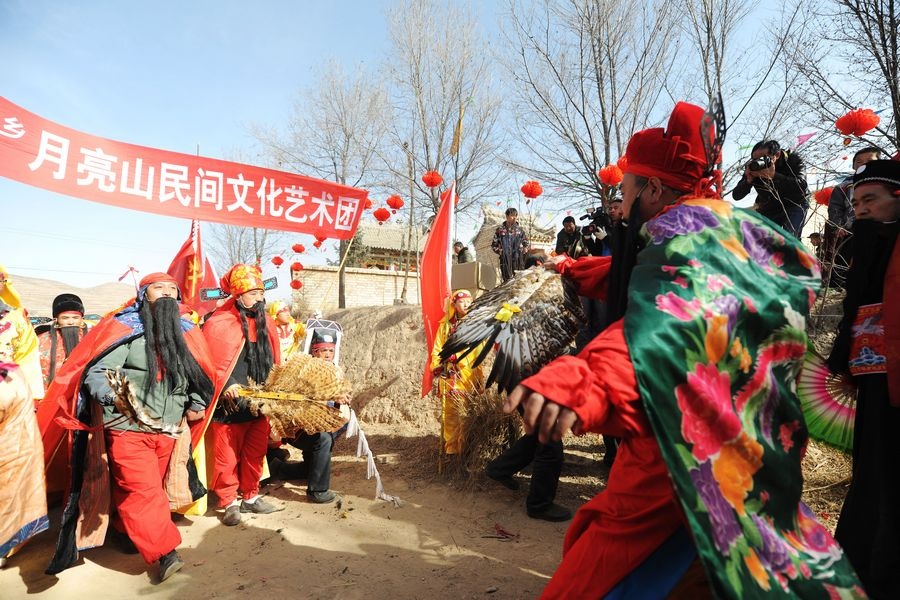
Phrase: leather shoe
pixel 554 513
pixel 260 507
pixel 507 481
pixel 321 497
pixel 232 515
pixel 169 564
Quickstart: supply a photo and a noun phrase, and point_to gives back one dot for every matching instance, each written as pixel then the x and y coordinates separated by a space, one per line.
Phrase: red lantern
pixel 298 248
pixel 395 202
pixel 823 196
pixel 432 179
pixel 622 162
pixel 858 122
pixel 610 175
pixel 532 189
pixel 317 244
pixel 368 204
pixel 296 284
pixel 296 266
pixel 277 261
pixel 382 214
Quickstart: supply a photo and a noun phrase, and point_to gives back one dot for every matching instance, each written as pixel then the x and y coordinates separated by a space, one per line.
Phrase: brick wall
pixel 364 287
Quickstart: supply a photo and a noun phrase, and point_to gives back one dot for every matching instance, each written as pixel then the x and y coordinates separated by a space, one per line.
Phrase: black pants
pixel 317 458
pixel 869 526
pixel 547 459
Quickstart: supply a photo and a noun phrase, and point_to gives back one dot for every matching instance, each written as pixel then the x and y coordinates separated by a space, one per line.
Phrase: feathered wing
pixel 532 319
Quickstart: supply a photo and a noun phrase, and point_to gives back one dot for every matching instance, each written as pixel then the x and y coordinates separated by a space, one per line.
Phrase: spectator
pixel 462 253
pixel 568 240
pixel 779 178
pixel 510 243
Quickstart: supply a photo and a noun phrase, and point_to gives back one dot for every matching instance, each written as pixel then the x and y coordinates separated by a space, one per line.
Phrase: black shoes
pixel 507 481
pixel 554 513
pixel 320 497
pixel 169 564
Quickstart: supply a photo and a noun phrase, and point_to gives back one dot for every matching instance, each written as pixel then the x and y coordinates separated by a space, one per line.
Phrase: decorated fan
pixel 828 401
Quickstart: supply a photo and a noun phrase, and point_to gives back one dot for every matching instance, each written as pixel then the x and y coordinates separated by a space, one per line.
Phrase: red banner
pixel 435 268
pixel 49 156
pixel 193 271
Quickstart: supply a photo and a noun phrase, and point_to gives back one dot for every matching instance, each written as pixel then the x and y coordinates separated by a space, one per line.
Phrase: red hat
pixel 676 154
pixel 240 279
pixel 156 278
pixel 460 294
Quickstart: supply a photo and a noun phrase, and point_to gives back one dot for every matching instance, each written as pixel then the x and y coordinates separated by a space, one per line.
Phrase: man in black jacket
pixel 568 240
pixel 779 178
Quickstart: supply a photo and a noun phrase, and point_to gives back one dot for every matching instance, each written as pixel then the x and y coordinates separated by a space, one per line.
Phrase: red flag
pixel 193 272
pixel 435 273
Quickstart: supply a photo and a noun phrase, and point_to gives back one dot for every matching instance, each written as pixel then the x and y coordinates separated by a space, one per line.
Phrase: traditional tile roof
pixel 388 236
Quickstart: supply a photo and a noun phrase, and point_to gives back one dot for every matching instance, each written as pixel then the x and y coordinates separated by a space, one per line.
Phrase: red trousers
pixel 239 450
pixel 138 463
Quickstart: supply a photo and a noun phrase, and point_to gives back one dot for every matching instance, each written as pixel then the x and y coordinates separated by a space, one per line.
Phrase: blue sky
pixel 168 75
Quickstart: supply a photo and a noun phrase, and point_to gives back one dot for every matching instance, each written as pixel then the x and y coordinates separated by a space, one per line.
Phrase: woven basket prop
pixel 296 394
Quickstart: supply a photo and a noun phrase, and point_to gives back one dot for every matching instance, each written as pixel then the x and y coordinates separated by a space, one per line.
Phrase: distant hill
pixel 38 294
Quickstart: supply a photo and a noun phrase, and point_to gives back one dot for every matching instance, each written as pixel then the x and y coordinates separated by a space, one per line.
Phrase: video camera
pixel 599 220
pixel 758 164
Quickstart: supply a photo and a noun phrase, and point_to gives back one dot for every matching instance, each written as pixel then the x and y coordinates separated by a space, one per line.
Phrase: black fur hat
pixel 67 303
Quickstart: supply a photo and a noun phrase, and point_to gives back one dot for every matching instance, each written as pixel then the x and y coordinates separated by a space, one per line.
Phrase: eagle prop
pixel 531 319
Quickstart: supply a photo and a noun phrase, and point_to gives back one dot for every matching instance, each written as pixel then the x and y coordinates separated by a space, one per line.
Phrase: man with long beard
pixel 245 347
pixel 57 339
pixel 166 362
pixel 695 374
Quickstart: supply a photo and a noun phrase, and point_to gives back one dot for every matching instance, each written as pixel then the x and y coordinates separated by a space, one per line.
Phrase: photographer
pixel 779 178
pixel 568 240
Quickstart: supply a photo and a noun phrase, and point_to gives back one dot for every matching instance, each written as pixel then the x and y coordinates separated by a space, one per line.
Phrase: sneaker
pixel 169 564
pixel 507 481
pixel 321 497
pixel 232 516
pixel 554 513
pixel 260 507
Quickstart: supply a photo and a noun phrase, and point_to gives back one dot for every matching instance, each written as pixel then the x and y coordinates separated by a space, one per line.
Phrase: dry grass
pixel 826 479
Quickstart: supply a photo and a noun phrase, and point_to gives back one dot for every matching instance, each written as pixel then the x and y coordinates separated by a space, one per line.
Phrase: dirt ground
pixel 460 535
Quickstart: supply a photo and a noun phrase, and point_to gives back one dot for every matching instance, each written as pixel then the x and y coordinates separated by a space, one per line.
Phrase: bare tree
pixel 337 132
pixel 441 74
pixel 586 75
pixel 230 245
pixel 849 57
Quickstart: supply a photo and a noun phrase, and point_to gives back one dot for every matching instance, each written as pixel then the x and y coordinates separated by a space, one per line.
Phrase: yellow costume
pixel 8 293
pixel 290 335
pixel 19 344
pixel 454 378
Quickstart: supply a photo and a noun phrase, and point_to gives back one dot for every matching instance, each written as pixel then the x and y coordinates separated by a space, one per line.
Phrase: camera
pixel 599 220
pixel 758 164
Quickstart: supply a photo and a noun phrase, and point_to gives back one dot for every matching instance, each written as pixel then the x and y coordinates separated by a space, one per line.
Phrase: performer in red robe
pixel 244 344
pixel 707 308
pixel 167 362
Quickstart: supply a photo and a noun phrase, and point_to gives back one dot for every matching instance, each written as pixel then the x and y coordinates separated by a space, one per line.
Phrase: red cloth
pixel 621 526
pixel 56 410
pixel 238 450
pixel 137 490
pixel 589 273
pixel 226 338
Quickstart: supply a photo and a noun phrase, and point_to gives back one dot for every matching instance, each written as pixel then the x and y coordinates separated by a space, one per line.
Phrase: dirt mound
pixel 383 354
pixel 38 294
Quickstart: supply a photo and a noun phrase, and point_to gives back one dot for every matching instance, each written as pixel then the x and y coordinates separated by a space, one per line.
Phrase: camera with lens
pixel 758 164
pixel 599 220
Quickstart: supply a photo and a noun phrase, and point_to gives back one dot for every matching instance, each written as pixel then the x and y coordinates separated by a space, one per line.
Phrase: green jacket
pixel 160 401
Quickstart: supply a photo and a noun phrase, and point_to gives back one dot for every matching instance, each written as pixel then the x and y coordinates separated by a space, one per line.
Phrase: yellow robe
pixel 19 344
pixel 457 379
